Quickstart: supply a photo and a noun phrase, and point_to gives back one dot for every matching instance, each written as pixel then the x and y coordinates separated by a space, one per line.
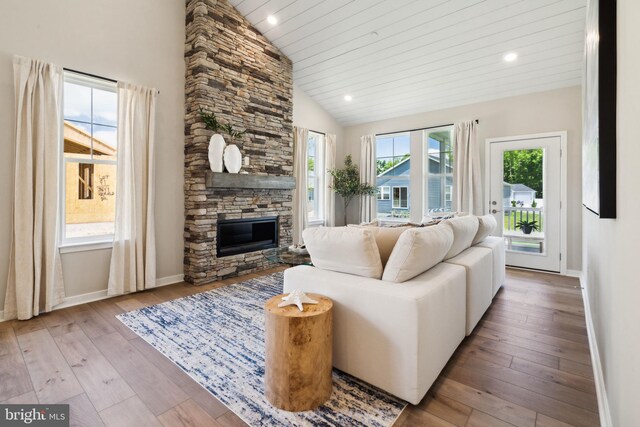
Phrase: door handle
pixel 495 211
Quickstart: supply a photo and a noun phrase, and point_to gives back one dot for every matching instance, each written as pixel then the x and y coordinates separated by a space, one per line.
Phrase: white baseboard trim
pixel 574 273
pixel 169 280
pixel 82 299
pixel 102 294
pixel 603 401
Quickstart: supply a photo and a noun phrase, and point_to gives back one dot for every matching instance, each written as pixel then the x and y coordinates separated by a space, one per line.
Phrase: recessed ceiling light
pixel 272 20
pixel 348 98
pixel 510 57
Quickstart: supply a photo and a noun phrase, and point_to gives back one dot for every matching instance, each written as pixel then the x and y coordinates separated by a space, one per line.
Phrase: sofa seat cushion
pixel 416 251
pixel 349 250
pixel 479 267
pixel 464 230
pixel 397 337
pixel 486 225
pixel 497 246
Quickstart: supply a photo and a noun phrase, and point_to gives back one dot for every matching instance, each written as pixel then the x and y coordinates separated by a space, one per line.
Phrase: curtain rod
pixel 315 131
pixel 413 130
pixel 95 76
pixel 90 75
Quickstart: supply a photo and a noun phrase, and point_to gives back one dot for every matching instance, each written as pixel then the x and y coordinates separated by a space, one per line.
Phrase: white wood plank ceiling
pixel 399 57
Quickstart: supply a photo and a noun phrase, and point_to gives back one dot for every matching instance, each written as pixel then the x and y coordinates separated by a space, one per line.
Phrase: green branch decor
pixel 212 123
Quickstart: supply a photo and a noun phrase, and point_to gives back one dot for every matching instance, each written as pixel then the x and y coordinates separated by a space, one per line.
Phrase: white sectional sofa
pixel 497 247
pixel 397 341
pixel 401 310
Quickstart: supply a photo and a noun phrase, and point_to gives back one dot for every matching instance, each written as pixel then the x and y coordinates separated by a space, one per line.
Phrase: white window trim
pixel 88 243
pixel 85 246
pixel 393 206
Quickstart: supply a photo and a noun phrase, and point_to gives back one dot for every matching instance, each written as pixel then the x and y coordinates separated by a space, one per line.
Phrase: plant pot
pixel 526 229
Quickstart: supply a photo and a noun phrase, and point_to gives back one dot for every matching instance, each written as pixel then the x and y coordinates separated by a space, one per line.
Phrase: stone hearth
pixel 235 73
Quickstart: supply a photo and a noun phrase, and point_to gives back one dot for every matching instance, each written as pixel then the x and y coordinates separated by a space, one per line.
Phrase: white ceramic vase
pixel 216 150
pixel 232 158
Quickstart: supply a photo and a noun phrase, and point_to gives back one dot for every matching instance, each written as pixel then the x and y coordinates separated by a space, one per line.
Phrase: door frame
pixel 563 182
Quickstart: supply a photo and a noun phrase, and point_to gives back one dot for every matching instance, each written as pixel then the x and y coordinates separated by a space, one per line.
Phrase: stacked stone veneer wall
pixel 234 72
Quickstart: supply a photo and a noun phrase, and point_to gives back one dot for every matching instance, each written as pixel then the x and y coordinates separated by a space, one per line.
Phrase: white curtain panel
pixel 329 193
pixel 468 177
pixel 368 175
pixel 35 281
pixel 133 259
pixel 300 216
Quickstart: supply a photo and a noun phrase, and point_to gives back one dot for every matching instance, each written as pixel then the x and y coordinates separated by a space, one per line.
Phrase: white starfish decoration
pixel 297 297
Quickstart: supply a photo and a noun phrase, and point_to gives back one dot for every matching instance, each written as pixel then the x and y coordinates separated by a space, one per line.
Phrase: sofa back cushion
pixel 486 225
pixel 416 251
pixel 464 230
pixel 351 250
pixel 386 238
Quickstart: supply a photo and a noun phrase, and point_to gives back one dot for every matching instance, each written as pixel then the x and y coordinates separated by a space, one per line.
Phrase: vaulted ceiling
pixel 399 57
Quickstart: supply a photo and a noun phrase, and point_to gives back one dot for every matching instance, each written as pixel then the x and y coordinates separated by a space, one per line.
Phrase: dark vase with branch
pixel 346 183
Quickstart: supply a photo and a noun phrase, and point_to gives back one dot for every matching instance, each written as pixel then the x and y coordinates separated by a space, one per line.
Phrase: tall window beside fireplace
pixel 315 178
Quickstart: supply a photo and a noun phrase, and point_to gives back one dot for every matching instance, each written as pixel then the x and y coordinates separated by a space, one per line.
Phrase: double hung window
pixel 414 173
pixel 88 159
pixel 393 166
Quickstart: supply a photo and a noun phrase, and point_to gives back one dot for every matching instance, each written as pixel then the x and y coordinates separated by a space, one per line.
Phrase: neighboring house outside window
pixel 315 178
pixel 89 159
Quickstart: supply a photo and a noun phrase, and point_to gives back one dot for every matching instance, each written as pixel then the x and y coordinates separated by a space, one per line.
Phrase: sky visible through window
pixel 392 145
pixel 77 110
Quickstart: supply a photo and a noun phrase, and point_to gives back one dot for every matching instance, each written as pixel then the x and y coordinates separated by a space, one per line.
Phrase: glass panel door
pixel 525 191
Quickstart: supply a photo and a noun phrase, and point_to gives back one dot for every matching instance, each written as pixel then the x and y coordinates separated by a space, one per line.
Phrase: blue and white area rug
pixel 217 337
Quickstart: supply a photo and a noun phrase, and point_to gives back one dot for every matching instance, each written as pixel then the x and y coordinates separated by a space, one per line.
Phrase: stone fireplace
pixel 235 73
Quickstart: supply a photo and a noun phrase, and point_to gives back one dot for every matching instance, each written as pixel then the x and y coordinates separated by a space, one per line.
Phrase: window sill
pixel 316 223
pixel 85 246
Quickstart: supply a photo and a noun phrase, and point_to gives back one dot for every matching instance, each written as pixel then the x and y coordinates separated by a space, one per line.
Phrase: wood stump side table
pixel 298 353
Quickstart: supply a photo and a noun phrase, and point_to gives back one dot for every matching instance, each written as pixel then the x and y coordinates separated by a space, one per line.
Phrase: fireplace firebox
pixel 238 236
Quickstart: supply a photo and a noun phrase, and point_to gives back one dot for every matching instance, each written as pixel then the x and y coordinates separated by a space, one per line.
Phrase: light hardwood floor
pixel 526 364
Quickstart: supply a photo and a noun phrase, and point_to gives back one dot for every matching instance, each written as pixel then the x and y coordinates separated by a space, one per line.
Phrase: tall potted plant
pixel 346 183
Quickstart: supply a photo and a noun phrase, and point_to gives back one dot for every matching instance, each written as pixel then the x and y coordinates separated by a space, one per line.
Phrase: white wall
pixel 527 114
pixel 611 246
pixel 138 41
pixel 308 114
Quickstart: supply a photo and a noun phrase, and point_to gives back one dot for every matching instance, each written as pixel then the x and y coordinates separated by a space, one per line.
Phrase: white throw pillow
pixel 417 250
pixel 486 225
pixel 464 230
pixel 351 250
